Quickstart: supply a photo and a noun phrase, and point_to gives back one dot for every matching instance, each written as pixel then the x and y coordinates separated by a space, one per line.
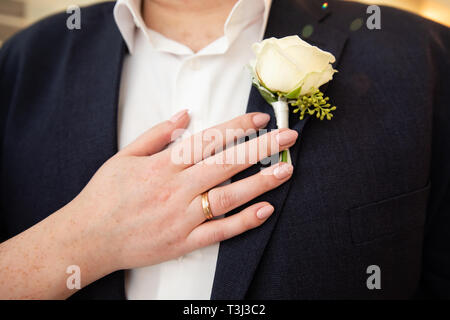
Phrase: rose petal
pixel 257 46
pixel 276 71
pixel 292 41
pixel 314 80
pixel 297 41
pixel 308 59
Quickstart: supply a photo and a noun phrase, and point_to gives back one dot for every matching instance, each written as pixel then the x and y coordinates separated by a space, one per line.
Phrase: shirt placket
pixel 187 93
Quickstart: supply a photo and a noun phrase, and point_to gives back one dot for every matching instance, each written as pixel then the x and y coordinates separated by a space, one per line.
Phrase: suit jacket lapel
pixel 239 257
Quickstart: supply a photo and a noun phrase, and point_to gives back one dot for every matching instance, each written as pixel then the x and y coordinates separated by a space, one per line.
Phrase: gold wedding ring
pixel 206 207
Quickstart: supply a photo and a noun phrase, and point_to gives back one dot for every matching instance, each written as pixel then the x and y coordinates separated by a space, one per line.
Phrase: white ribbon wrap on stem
pixel 281 109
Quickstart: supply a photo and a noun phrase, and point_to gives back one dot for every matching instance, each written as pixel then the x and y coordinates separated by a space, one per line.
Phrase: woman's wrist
pixel 85 245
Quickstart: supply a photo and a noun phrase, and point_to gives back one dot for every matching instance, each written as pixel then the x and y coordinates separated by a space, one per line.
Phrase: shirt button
pixel 194 64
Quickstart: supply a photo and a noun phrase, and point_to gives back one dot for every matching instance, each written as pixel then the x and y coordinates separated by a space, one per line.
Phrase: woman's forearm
pixel 34 264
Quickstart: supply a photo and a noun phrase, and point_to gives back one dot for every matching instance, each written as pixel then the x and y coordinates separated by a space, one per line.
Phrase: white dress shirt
pixel 160 77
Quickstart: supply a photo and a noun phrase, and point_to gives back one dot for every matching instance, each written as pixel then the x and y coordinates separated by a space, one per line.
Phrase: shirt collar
pixel 128 17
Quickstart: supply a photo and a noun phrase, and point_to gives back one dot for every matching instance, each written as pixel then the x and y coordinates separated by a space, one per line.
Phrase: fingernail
pixel 283 171
pixel 264 212
pixel 260 120
pixel 177 116
pixel 286 137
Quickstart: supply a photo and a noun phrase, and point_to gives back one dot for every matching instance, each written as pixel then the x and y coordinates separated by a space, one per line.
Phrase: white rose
pixel 283 65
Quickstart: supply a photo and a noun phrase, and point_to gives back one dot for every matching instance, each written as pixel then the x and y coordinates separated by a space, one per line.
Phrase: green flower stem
pixel 284 156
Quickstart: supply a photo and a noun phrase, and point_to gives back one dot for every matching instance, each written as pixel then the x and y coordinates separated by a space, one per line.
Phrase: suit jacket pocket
pixel 388 216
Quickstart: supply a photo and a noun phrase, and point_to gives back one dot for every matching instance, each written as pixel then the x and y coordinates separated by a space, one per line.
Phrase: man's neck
pixel 194 23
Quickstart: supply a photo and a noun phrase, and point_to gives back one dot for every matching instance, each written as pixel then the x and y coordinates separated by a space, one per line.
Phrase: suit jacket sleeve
pixel 6 87
pixel 3 107
pixel 436 254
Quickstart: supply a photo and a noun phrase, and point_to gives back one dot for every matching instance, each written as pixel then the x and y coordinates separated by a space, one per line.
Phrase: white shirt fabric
pixel 160 77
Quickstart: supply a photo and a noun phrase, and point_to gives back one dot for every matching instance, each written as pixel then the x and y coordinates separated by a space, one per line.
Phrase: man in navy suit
pixel 370 193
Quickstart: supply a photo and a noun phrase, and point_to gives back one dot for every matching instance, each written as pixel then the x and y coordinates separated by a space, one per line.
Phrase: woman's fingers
pixel 222 166
pixel 226 198
pixel 212 140
pixel 158 137
pixel 222 229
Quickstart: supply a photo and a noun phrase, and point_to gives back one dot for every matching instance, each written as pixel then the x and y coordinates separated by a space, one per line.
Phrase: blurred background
pixel 17 14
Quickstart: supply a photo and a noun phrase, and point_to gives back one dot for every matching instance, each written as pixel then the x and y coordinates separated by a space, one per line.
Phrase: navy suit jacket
pixel 370 187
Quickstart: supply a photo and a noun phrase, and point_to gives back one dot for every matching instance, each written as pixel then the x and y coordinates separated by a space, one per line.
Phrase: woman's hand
pixel 142 207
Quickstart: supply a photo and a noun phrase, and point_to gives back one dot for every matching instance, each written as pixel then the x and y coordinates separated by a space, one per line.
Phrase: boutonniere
pixel 288 72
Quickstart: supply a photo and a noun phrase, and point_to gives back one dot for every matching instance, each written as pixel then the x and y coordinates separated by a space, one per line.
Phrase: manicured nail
pixel 286 137
pixel 177 116
pixel 264 212
pixel 260 120
pixel 283 170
